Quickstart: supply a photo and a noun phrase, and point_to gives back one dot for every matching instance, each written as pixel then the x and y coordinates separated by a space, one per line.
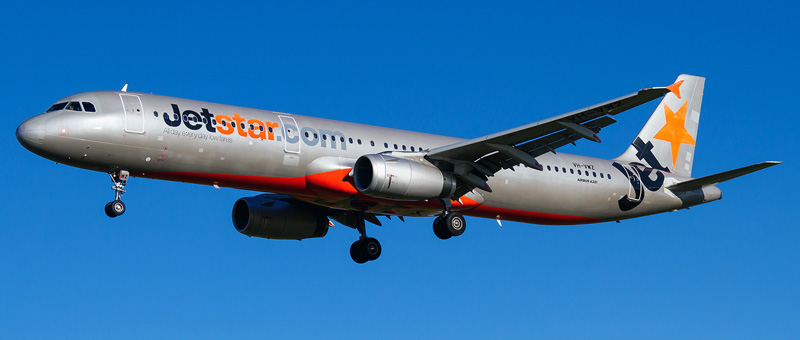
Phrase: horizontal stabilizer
pixel 699 183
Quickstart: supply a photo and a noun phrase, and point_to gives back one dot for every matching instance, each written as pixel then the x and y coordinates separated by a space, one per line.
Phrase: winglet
pixel 676 88
pixel 125 88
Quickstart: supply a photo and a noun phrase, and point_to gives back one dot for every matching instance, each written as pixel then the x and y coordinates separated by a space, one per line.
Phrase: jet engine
pixel 401 179
pixel 278 217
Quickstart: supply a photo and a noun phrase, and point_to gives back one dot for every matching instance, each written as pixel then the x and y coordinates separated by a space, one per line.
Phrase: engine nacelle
pixel 401 179
pixel 278 217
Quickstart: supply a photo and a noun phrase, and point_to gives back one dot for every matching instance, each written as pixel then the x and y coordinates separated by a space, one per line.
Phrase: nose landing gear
pixel 120 179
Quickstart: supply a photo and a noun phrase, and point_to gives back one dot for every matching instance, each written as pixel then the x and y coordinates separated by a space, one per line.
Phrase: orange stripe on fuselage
pixel 282 185
pixel 528 216
pixel 336 184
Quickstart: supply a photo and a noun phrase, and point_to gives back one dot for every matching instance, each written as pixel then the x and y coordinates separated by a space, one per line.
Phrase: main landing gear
pixel 449 224
pixel 120 179
pixel 366 248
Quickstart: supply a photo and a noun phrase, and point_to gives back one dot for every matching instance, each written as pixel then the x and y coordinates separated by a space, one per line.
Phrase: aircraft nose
pixel 31 133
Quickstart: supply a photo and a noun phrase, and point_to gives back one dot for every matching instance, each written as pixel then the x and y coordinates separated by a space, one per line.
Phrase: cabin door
pixel 134 117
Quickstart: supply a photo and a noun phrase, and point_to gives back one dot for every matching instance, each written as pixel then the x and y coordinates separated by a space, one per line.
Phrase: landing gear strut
pixel 120 179
pixel 366 248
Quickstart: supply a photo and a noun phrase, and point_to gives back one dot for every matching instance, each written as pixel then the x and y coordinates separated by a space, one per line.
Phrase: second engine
pixel 278 217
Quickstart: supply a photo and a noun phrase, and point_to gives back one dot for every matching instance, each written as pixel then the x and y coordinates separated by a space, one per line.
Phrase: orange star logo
pixel 674 131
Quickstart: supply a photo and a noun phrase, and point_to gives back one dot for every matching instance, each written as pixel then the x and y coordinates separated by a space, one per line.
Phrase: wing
pixel 475 159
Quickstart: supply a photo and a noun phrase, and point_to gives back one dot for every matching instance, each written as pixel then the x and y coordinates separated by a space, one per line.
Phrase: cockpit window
pixel 88 107
pixel 74 106
pixel 57 106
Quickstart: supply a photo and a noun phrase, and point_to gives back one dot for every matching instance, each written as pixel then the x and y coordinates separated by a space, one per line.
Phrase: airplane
pixel 315 170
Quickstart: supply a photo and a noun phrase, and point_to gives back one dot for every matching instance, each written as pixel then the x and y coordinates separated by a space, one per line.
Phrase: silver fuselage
pixel 308 158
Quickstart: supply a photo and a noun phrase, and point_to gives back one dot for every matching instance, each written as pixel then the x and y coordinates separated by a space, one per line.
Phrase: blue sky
pixel 174 267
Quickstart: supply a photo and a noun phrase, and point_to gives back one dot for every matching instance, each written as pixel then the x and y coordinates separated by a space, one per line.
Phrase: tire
pixel 357 252
pixel 440 229
pixel 371 248
pixel 109 212
pixel 455 223
pixel 117 207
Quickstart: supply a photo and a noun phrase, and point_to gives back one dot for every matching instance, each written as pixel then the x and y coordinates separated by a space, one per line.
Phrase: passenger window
pixel 594 174
pixel 324 137
pixel 386 145
pixel 548 168
pixel 395 146
pixel 372 143
pixel 412 149
pixel 404 148
pixel 601 175
pixel 556 168
pixel 609 176
pixel 74 106
pixel 564 170
pixel 350 140
pixel 89 107
pixel 57 106
pixel 359 141
pixel 572 171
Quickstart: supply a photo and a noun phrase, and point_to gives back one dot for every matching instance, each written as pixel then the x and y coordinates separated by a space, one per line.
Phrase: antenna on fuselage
pixel 125 88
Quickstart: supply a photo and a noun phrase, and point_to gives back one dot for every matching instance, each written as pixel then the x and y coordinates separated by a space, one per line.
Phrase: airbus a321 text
pixel 317 169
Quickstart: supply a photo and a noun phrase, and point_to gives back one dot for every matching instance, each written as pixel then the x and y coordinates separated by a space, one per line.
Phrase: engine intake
pixel 402 179
pixel 278 217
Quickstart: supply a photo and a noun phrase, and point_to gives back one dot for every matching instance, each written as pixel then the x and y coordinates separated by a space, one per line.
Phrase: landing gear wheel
pixel 368 249
pixel 115 208
pixel 108 210
pixel 440 229
pixel 357 252
pixel 455 222
pixel 371 248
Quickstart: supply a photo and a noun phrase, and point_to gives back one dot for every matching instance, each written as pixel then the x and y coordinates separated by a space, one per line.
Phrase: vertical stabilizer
pixel 667 141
